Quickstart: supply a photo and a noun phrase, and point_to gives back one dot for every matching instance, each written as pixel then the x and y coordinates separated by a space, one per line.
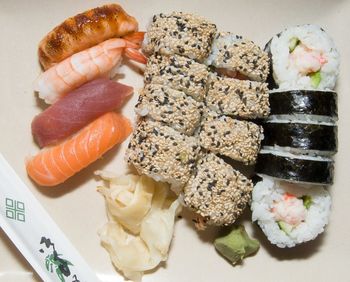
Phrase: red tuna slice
pixel 77 109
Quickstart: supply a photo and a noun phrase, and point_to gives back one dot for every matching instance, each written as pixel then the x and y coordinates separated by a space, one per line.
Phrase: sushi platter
pixel 171 141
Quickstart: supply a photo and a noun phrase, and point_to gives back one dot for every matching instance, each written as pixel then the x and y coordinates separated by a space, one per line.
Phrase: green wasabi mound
pixel 236 245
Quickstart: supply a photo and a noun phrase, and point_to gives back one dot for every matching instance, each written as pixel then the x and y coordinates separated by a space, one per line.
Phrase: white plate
pixel 79 210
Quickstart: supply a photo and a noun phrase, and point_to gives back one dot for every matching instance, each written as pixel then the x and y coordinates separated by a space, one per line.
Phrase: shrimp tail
pixel 132 52
pixel 135 37
pixel 135 55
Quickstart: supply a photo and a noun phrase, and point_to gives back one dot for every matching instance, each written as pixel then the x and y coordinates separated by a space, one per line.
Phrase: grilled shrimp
pixel 86 65
pixel 84 31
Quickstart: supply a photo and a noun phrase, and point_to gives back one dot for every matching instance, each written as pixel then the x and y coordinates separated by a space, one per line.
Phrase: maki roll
pixel 290 214
pixel 239 98
pixel 320 104
pixel 236 139
pixel 172 107
pixel 301 138
pixel 238 57
pixel 179 73
pixel 295 168
pixel 179 33
pixel 162 153
pixel 216 192
pixel 303 57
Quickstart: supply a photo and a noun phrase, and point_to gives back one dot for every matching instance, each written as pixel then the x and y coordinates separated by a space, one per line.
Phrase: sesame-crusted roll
pixel 216 192
pixel 240 98
pixel 236 139
pixel 238 57
pixel 170 106
pixel 179 73
pixel 162 153
pixel 180 33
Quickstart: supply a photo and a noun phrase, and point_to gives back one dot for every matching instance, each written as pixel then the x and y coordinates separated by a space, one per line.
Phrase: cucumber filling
pixel 293 42
pixel 285 227
pixel 307 201
pixel 315 78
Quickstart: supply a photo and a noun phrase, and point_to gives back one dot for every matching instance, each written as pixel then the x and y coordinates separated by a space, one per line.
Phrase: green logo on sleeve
pixel 54 261
pixel 15 210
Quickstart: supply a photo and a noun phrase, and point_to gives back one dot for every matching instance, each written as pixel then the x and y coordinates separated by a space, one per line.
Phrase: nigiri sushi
pixel 56 164
pixel 84 31
pixel 77 109
pixel 85 66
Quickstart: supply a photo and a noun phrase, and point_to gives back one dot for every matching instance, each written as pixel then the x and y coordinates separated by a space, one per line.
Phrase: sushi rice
pixel 297 151
pixel 301 118
pixel 309 218
pixel 290 155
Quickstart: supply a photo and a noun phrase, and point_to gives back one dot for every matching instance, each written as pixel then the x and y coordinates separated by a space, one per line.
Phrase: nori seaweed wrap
pixel 308 102
pixel 295 168
pixel 270 80
pixel 301 136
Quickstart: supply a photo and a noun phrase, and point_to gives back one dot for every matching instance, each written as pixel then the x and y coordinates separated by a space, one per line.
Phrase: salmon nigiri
pixel 56 164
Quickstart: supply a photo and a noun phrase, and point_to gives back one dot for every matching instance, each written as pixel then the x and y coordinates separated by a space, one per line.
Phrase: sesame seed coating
pixel 179 73
pixel 241 98
pixel 217 192
pixel 236 54
pixel 180 33
pixel 162 153
pixel 236 139
pixel 172 107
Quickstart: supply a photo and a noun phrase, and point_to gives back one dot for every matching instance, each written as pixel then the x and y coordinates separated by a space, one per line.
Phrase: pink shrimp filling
pixel 232 74
pixel 306 60
pixel 290 210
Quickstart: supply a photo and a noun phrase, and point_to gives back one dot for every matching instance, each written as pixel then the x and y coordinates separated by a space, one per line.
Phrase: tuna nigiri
pixel 77 109
pixel 56 164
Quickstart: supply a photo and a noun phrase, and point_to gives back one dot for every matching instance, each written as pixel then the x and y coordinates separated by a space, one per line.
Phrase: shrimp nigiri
pixel 85 66
pixel 56 164
pixel 84 31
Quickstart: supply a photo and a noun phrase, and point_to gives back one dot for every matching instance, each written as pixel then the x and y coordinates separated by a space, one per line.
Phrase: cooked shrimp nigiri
pixel 56 164
pixel 84 31
pixel 84 66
